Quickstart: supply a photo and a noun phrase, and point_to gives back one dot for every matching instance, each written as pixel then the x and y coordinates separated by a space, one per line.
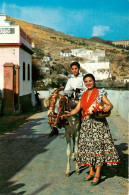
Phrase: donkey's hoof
pixel 67 174
pixel 78 172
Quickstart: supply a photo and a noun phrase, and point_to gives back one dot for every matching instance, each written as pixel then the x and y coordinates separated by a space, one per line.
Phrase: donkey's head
pixel 58 103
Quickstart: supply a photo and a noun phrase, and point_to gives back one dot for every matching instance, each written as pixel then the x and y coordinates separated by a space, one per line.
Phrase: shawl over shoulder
pixel 86 104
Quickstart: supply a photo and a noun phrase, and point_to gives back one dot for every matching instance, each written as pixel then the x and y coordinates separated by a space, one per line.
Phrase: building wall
pixel 7 54
pixel 120 101
pixel 84 53
pixel 9 34
pixel 25 86
pixel 25 102
pixel 89 54
pixel 101 70
pixel 24 38
pixel 17 56
pixel 101 75
pixel 15 48
pixel 122 42
pixel 81 52
pixel 91 66
pixel 65 54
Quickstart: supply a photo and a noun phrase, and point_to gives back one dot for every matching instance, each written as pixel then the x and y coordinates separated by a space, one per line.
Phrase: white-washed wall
pixel 25 86
pixel 22 40
pixel 101 70
pixel 44 94
pixel 101 75
pixel 7 55
pixel 120 101
pixel 8 37
pixel 91 66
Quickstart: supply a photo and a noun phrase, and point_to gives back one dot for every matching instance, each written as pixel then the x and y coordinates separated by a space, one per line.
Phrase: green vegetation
pixel 37 74
pixel 38 52
pixel 57 81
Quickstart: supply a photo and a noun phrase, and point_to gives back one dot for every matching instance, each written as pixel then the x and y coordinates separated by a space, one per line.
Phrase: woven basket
pixel 101 114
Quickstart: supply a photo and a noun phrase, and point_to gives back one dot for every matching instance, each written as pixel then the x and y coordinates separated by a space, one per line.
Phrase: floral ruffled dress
pixel 96 145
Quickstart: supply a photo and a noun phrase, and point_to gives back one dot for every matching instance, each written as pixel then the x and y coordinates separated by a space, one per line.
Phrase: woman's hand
pixel 65 116
pixel 107 108
pixel 72 112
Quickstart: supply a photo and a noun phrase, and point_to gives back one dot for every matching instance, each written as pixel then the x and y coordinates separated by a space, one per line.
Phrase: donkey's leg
pixel 67 172
pixel 76 151
pixel 68 152
pixel 73 154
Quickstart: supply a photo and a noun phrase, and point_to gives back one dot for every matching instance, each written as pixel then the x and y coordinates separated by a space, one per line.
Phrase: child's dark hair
pixel 75 64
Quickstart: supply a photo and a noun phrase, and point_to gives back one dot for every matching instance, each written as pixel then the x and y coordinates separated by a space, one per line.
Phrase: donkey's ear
pixel 62 88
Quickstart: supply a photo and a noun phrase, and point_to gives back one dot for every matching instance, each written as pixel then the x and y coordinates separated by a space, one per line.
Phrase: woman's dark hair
pixel 91 76
pixel 75 64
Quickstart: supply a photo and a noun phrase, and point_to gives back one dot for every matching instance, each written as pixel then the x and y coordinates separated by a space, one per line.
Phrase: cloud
pixel 3 8
pixel 100 30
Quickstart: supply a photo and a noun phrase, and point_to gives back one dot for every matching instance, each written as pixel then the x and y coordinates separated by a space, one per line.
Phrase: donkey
pixel 58 106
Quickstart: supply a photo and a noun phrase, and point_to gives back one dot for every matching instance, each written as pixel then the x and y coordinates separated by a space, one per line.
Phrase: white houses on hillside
pixel 81 52
pixel 15 67
pixel 84 53
pixel 66 52
pixel 93 61
pixel 125 43
pixel 101 70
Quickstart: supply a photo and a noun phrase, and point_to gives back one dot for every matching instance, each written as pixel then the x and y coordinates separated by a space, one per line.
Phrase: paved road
pixel 33 164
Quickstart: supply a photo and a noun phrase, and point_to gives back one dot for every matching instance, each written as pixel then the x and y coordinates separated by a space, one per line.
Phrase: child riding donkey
pixel 74 87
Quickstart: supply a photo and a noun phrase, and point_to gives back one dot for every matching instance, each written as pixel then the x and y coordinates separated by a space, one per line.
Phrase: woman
pixel 95 143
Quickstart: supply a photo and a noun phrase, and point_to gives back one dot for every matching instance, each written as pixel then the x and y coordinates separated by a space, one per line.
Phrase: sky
pixel 107 19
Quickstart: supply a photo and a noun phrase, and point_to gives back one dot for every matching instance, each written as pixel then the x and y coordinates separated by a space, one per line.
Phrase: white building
pixel 66 52
pixel 15 66
pixel 81 52
pixel 126 80
pixel 84 53
pixel 125 43
pixel 46 59
pixel 45 70
pixel 101 70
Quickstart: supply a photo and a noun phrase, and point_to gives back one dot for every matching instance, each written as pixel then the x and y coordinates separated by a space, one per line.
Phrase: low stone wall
pixel 120 101
pixel 44 94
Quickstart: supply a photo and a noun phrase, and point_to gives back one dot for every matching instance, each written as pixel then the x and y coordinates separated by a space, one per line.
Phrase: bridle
pixel 53 118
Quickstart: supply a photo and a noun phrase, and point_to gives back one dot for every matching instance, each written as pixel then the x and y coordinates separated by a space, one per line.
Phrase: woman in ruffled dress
pixel 96 146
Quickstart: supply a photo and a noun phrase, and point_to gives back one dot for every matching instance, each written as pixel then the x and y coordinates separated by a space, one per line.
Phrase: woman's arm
pixel 106 101
pixel 77 109
pixel 73 112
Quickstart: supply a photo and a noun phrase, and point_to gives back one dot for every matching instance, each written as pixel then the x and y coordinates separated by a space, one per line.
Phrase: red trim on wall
pixel 25 36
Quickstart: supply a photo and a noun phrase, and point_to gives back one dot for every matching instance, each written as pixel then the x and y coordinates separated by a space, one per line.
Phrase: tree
pixel 37 74
pixel 57 81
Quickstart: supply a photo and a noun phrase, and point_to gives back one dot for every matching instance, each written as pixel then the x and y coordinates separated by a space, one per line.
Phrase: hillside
pixel 99 40
pixel 50 42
